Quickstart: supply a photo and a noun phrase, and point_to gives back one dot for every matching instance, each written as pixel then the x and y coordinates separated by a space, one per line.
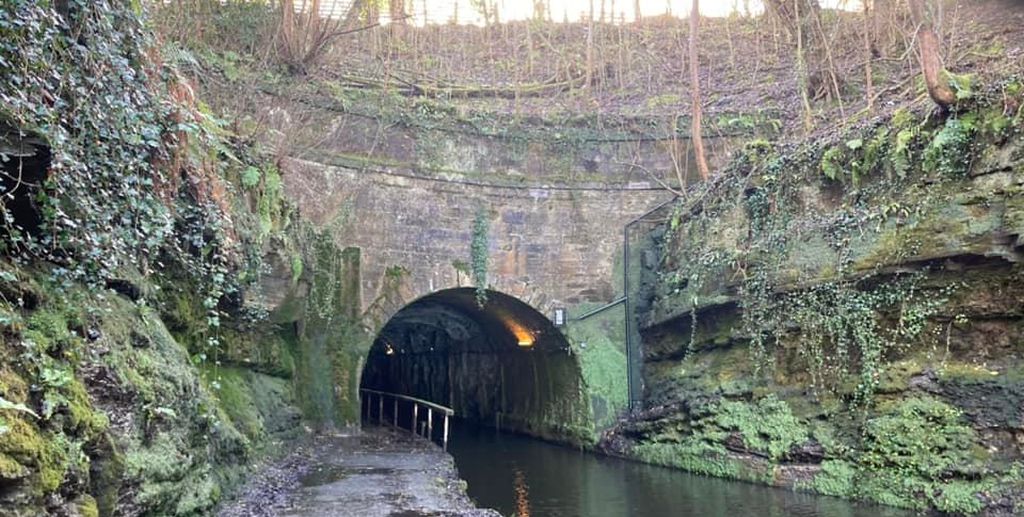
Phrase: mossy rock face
pixel 597 342
pixel 135 425
pixel 28 450
pixel 725 438
pixel 993 403
pixel 263 352
pixel 873 285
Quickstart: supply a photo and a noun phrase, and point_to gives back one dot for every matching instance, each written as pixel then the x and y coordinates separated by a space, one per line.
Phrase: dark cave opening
pixel 24 165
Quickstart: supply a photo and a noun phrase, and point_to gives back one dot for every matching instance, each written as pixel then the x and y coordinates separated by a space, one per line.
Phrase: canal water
pixel 524 477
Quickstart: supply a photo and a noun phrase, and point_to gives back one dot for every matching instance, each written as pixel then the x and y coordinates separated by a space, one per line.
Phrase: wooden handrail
pixel 428 430
pixel 446 410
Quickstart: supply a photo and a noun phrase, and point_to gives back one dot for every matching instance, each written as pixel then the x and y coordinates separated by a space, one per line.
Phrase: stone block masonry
pixel 549 246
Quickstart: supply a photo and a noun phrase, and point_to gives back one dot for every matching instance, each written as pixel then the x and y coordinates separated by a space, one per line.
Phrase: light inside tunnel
pixel 524 337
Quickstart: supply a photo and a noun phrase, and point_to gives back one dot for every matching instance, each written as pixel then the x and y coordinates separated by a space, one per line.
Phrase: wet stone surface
pixel 374 472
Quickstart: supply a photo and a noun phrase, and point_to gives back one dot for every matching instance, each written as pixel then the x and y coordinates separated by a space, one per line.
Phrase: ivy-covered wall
pixel 165 318
pixel 846 316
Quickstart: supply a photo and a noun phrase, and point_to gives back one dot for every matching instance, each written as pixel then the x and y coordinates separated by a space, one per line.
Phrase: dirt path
pixel 376 472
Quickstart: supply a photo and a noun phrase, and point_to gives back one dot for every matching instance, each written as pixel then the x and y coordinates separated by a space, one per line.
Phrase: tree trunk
pixel 802 74
pixel 590 47
pixel 397 10
pixel 539 10
pixel 931 61
pixel 363 12
pixel 869 81
pixel 799 20
pixel 696 112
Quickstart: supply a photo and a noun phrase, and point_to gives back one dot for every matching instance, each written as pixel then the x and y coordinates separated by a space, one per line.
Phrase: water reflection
pixel 528 478
pixel 522 492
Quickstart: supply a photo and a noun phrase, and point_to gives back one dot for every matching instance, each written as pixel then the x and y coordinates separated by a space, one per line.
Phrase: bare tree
pixel 361 11
pixel 931 60
pixel 695 109
pixel 796 17
pixel 304 36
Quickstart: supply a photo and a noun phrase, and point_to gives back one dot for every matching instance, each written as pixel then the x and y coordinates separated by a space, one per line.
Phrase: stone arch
pixel 397 288
pixel 503 364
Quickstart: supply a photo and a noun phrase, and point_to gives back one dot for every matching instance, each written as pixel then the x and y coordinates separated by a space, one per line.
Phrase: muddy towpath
pixel 368 473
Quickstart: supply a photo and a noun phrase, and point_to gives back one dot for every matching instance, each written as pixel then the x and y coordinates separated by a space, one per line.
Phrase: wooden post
pixel 415 417
pixel 395 420
pixel 445 440
pixel 380 409
pixel 430 423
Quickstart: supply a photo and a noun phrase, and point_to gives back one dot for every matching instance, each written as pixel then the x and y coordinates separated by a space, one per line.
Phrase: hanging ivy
pixel 842 314
pixel 479 251
pixel 137 173
pixel 76 74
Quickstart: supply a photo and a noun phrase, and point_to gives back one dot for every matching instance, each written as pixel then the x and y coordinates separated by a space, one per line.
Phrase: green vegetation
pixel 818 263
pixel 950 150
pixel 598 344
pixel 479 254
pixel 908 455
pixel 765 426
pixel 164 313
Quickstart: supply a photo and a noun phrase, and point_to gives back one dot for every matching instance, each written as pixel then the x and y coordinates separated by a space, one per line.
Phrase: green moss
pixel 767 425
pixel 910 451
pixel 837 478
pixel 86 506
pixel 694 455
pixel 38 451
pixel 597 343
pixel 262 351
pixel 47 329
pixel 10 469
pixel 959 497
pixel 921 436
pixel 900 154
pixel 161 460
pixel 13 387
pixel 232 391
pixel 902 118
pixel 88 422
pixel 270 205
pixel 297 267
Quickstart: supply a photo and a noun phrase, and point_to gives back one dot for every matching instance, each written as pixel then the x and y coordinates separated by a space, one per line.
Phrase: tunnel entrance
pixel 503 365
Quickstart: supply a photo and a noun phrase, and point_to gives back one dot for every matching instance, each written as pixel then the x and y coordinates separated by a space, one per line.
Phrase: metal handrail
pixel 428 428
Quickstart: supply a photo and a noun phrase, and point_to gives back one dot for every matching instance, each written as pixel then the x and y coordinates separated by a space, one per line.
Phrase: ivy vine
pixel 479 254
pixel 735 236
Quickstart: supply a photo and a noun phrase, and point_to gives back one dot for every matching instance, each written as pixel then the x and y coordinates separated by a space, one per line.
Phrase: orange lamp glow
pixel 524 337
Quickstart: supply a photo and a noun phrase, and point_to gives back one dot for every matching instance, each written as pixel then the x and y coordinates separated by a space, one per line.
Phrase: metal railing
pixel 417 426
pixel 634 376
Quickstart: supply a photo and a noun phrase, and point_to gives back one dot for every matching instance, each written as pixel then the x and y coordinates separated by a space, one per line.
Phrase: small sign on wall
pixel 560 317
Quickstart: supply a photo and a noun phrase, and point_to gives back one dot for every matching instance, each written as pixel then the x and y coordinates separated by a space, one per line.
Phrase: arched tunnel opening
pixel 503 364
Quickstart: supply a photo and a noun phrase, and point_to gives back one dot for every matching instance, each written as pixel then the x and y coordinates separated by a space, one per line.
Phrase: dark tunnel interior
pixel 503 364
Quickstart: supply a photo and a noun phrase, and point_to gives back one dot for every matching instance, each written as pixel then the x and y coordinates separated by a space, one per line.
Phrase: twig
pixel 676 192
